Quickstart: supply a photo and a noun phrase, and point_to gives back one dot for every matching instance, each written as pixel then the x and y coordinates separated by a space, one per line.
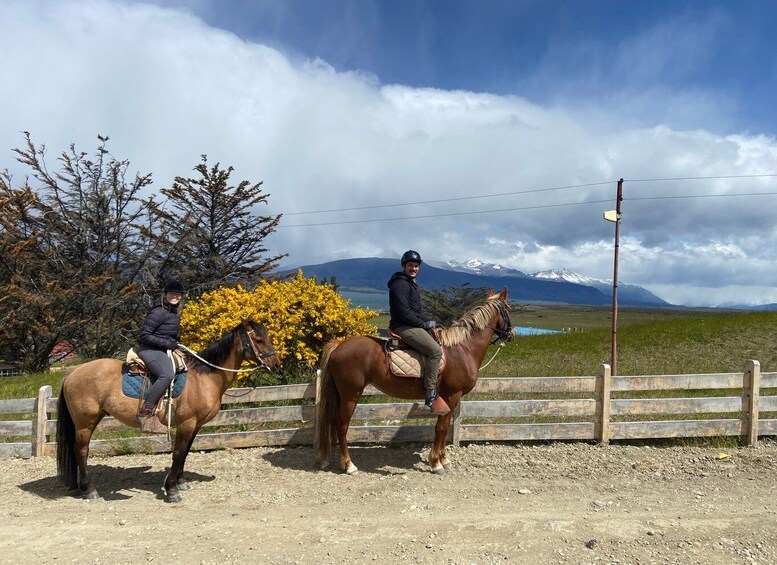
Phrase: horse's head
pixel 504 328
pixel 258 346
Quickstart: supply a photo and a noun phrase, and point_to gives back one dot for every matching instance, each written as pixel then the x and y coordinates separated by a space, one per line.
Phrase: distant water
pixel 523 330
pixel 365 299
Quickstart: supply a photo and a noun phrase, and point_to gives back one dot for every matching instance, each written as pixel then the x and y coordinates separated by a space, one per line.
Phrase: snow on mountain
pixel 568 276
pixel 481 268
pixel 630 292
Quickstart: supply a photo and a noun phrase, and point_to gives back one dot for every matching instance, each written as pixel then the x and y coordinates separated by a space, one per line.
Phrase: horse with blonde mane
pixel 347 367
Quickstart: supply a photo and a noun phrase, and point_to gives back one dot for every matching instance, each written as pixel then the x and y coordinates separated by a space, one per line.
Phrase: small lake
pixel 524 330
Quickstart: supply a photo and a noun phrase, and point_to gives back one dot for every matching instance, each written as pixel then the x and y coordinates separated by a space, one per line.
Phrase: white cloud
pixel 168 88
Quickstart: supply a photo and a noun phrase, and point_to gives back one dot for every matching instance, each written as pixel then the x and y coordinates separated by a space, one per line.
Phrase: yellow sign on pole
pixel 611 215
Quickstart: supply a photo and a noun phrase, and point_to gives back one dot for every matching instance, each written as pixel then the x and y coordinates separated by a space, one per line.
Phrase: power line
pixel 523 208
pixel 703 178
pixel 702 196
pixel 529 191
pixel 513 193
pixel 444 215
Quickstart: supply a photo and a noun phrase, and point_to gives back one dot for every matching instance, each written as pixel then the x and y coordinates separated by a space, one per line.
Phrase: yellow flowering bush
pixel 300 316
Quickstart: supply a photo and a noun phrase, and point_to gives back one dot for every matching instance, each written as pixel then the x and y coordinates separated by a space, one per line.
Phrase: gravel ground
pixel 526 503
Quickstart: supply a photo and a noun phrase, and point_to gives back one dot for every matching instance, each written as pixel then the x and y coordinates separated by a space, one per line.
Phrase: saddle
pixel 135 364
pixel 404 361
pixel 135 382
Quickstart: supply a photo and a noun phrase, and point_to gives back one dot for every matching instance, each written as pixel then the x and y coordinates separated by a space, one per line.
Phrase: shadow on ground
pixel 112 482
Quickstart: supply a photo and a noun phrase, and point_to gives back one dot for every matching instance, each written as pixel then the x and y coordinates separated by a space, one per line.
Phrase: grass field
pixel 676 341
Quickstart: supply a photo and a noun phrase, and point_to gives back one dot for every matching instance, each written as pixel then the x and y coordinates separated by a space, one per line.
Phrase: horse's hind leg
pixel 83 436
pixel 342 421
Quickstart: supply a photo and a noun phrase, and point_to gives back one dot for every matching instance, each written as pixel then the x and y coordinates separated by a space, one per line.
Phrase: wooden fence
pixel 588 408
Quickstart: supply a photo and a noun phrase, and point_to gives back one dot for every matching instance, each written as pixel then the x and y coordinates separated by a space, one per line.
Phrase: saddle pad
pixel 407 363
pixel 131 383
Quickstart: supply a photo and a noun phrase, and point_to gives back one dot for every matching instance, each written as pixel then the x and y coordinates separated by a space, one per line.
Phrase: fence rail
pixel 498 409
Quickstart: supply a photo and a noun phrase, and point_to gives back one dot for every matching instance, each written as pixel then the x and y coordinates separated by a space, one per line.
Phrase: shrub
pixel 300 315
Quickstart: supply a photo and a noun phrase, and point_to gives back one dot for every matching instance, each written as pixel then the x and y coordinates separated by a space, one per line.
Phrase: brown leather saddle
pixel 404 361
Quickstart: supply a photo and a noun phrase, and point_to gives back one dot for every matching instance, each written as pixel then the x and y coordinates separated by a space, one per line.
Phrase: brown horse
pixel 348 367
pixel 93 390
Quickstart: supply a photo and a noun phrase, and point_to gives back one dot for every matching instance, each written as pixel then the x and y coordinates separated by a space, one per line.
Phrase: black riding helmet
pixel 174 286
pixel 411 255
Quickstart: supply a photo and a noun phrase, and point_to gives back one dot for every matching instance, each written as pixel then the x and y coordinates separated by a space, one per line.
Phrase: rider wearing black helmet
pixel 408 322
pixel 158 335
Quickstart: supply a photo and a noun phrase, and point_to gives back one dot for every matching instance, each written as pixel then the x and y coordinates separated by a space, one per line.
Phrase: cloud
pixel 167 88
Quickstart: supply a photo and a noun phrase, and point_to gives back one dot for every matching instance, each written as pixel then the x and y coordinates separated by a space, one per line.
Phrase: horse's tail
pixel 328 404
pixel 67 464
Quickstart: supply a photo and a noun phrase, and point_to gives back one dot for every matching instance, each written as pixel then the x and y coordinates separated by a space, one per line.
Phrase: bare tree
pixel 214 235
pixel 72 255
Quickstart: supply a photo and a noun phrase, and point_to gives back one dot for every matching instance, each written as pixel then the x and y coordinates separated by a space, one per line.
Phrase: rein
pixel 246 344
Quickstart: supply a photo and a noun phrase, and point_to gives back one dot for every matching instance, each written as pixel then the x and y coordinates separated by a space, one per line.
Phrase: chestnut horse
pixel 93 390
pixel 347 367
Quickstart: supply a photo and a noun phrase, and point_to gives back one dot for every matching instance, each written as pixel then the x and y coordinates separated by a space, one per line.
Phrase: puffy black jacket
pixel 160 328
pixel 404 302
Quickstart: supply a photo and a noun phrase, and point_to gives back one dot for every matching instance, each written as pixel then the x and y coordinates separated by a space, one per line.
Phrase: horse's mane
pixel 471 322
pixel 216 352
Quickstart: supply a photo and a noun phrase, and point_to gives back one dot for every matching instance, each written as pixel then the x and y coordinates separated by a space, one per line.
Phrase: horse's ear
pixel 503 294
pixel 491 292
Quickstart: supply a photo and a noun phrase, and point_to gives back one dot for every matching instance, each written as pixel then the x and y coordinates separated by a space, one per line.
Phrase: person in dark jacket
pixel 158 335
pixel 408 322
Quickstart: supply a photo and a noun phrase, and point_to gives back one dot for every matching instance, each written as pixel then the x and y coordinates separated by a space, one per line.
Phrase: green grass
pixel 648 343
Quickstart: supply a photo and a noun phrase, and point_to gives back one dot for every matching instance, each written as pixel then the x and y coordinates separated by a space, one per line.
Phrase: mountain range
pixel 369 275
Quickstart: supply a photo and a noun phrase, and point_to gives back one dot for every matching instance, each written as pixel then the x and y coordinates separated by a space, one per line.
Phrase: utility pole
pixel 615 216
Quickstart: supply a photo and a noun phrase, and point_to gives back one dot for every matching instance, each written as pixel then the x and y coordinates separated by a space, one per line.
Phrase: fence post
pixel 457 425
pixel 603 384
pixel 752 393
pixel 316 423
pixel 40 422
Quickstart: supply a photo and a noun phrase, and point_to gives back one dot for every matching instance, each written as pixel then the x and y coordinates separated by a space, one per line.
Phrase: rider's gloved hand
pixel 430 324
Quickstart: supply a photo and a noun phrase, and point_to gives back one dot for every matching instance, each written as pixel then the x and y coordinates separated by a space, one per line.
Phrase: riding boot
pixel 435 404
pixel 149 421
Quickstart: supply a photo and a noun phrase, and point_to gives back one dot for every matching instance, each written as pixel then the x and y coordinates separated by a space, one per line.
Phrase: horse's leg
pixel 184 436
pixel 83 436
pixel 438 460
pixel 342 421
pixel 453 404
pixel 182 483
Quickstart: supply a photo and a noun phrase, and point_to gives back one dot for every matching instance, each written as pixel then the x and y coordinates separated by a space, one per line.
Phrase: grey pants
pixel 161 372
pixel 420 340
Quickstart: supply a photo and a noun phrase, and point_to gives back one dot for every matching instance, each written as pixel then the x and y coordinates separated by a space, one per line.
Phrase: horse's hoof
pixel 441 470
pixel 94 495
pixel 447 466
pixel 173 498
pixel 323 466
pixel 183 485
pixel 352 469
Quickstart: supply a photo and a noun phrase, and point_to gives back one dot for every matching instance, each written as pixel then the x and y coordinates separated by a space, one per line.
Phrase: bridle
pixel 248 346
pixel 504 331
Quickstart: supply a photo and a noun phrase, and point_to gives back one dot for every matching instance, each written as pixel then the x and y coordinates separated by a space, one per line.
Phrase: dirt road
pixel 573 503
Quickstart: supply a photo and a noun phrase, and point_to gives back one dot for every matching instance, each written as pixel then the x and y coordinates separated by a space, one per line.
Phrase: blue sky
pixel 547 52
pixel 502 125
